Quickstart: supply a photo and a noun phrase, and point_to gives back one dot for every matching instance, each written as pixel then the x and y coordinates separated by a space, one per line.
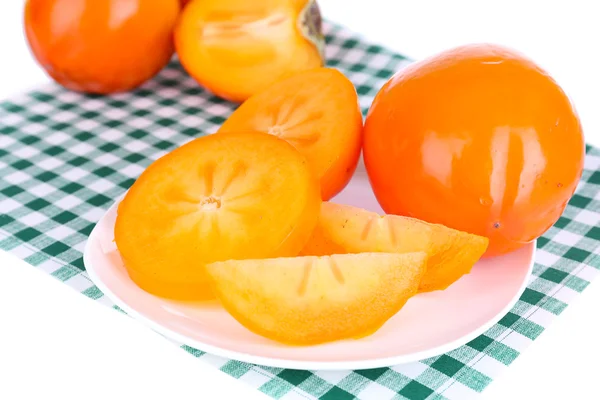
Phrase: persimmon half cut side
pixel 215 198
pixel 317 111
pixel 236 48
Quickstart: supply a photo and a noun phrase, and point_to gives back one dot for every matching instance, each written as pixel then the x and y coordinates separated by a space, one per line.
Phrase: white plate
pixel 429 324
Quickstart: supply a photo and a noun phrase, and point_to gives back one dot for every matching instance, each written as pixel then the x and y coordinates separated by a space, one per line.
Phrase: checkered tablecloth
pixel 65 157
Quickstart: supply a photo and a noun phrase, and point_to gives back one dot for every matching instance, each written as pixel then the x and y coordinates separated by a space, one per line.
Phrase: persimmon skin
pixel 101 46
pixel 479 139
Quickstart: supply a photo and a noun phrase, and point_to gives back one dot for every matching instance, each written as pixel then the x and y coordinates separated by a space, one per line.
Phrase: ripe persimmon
pixel 316 111
pixel 101 46
pixel 479 139
pixel 311 300
pixel 236 48
pixel 215 198
pixel 346 229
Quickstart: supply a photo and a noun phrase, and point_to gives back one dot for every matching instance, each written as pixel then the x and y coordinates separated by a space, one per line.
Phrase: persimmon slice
pixel 215 198
pixel 310 300
pixel 347 229
pixel 317 111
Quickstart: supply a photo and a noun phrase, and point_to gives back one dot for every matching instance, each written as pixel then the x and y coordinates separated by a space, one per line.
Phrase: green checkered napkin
pixel 64 158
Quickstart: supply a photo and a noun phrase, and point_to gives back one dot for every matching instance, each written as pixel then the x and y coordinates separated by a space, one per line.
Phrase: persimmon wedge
pixel 316 111
pixel 311 300
pixel 347 229
pixel 215 198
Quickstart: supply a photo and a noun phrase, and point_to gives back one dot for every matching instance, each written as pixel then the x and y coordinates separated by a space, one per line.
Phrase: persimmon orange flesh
pixel 347 229
pixel 236 48
pixel 311 300
pixel 317 111
pixel 215 198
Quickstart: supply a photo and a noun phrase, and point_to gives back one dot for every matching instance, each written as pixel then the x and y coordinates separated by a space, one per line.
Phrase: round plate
pixel 429 324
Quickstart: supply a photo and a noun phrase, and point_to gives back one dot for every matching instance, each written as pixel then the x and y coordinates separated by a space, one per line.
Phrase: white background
pixel 55 342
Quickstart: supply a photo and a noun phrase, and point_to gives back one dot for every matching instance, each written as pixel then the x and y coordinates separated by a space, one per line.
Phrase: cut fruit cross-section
pixel 311 300
pixel 347 229
pixel 236 48
pixel 317 112
pixel 215 198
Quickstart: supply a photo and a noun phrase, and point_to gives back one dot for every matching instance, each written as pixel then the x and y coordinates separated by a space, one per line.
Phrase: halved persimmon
pixel 310 300
pixel 347 229
pixel 317 111
pixel 215 198
pixel 236 48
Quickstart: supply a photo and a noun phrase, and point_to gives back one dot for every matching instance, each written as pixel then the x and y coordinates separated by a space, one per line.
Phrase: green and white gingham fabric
pixel 65 157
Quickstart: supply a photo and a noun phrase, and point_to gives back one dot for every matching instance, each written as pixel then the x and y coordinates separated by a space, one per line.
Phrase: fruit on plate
pixel 317 111
pixel 101 46
pixel 311 300
pixel 479 139
pixel 346 229
pixel 236 48
pixel 215 198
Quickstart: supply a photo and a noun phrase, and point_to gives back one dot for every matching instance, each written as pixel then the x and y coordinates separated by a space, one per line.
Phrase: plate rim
pixel 286 363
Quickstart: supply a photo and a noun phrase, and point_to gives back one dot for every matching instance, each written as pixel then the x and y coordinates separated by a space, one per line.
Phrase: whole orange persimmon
pixel 101 46
pixel 478 138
